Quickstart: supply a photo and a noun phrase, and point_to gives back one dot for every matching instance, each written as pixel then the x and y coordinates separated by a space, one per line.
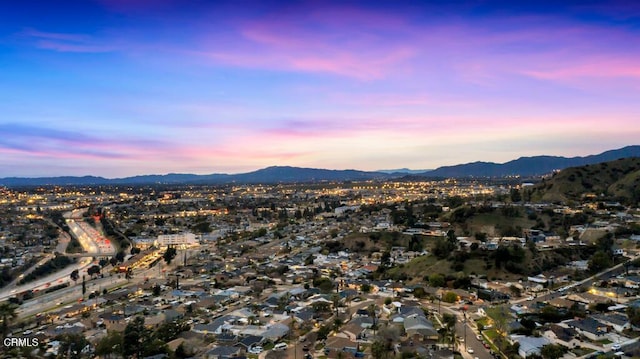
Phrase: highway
pixel 91 241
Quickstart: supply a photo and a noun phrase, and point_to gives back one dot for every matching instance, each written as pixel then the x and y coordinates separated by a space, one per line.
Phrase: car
pixel 305 348
pixel 615 347
pixel 479 337
pixel 469 350
pixel 280 346
pixel 530 298
pixel 255 350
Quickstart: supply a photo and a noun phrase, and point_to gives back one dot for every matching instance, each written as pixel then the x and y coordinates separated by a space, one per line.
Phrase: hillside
pixel 614 180
pixel 530 166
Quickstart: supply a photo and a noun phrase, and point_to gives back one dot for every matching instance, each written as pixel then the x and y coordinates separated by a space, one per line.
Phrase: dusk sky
pixel 125 87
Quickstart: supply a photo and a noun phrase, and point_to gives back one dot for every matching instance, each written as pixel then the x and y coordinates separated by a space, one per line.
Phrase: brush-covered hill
pixel 614 180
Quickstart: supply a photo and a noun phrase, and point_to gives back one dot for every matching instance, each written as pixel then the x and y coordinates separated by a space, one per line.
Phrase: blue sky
pixel 119 88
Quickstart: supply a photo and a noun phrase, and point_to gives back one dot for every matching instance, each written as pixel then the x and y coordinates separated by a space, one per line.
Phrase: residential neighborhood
pixel 360 270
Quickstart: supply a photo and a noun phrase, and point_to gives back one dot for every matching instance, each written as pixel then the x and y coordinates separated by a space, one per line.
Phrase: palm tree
pixel 7 312
pixel 335 299
pixel 337 323
pixel 371 309
pixel 449 322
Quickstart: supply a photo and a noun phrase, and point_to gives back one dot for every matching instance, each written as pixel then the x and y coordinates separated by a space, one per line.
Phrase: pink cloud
pixel 55 35
pixel 67 47
pixel 313 41
pixel 65 42
pixel 591 68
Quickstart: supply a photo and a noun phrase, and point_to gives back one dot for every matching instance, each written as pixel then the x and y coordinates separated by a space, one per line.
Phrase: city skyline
pixel 122 88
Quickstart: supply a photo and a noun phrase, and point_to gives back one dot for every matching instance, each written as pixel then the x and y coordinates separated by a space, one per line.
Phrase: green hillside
pixel 615 180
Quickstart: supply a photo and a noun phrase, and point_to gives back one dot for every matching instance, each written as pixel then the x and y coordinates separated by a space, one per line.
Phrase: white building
pixel 180 239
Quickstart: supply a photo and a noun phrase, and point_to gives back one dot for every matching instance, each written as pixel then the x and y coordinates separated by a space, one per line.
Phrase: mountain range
pixel 531 166
pixel 523 166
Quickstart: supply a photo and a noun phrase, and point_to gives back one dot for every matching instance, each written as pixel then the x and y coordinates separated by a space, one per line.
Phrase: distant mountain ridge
pixel 530 166
pixel 269 175
pixel 404 170
pixel 524 166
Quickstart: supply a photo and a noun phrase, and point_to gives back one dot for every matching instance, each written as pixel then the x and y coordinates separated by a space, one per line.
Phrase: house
pixel 493 296
pixel 275 332
pixel 588 327
pixel 355 331
pixel 337 344
pixel 416 325
pixel 562 335
pixel 250 341
pixel 223 352
pixel 619 322
pixel 304 315
pixel 529 346
pixel 561 303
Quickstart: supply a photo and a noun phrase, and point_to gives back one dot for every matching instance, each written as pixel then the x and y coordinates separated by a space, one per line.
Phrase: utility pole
pixel 464 323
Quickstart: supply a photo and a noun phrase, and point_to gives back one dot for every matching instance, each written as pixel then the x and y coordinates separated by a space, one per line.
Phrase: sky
pixel 117 88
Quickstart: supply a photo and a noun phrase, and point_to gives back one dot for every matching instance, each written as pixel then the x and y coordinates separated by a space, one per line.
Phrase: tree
pixel 110 344
pixel 84 287
pixel 74 275
pixel 136 337
pixel 371 309
pixel 93 270
pixel 634 316
pixel 436 280
pixel 378 349
pixel 323 332
pixel 324 284
pixel 72 345
pixel 170 331
pixel 7 313
pixel 599 261
pixel 156 290
pixel 515 195
pixel 553 351
pixel 443 248
pixel 169 254
pixel 450 297
pixel 419 293
pixel 449 322
pixel 182 353
pixel 385 260
pixel 335 300
pixel 337 323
